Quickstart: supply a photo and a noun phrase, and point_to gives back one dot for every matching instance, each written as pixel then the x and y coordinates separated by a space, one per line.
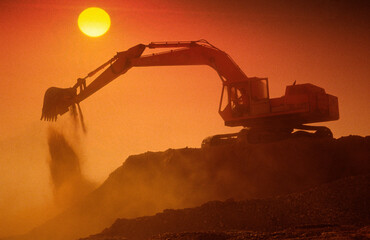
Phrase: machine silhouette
pixel 245 101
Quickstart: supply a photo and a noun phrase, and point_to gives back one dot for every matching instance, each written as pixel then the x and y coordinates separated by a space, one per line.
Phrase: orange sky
pixel 151 109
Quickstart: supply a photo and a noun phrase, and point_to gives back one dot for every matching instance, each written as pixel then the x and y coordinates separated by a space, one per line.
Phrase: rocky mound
pixel 149 183
pixel 343 202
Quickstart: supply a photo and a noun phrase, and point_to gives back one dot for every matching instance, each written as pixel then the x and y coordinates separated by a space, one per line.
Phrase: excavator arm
pixel 57 101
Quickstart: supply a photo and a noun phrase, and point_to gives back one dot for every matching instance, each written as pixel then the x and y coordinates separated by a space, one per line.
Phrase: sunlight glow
pixel 94 22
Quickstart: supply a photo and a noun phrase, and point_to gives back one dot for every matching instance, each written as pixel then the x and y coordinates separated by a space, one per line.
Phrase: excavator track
pixel 263 135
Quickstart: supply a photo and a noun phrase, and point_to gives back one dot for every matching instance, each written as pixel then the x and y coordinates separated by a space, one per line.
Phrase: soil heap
pixel 341 207
pixel 183 178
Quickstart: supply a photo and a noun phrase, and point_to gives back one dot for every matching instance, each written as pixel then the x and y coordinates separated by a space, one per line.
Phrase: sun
pixel 94 22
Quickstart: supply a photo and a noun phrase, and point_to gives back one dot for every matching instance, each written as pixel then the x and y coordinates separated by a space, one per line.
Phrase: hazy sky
pixel 322 42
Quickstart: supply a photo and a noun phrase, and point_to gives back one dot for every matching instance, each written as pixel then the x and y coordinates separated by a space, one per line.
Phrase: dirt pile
pixel 149 183
pixel 343 202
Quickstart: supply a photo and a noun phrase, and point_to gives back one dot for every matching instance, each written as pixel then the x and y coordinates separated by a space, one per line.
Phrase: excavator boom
pixel 186 53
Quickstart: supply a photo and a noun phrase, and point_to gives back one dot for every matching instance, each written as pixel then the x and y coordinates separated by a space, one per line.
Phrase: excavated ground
pixel 337 209
pixel 187 178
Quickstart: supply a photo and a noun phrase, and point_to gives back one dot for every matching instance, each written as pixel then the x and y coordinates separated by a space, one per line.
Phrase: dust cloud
pixel 68 182
pixel 43 176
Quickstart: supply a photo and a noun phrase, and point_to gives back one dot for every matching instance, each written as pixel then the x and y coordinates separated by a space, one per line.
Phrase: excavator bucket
pixel 57 101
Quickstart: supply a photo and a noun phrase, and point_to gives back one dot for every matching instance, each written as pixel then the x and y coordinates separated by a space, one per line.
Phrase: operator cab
pixel 244 99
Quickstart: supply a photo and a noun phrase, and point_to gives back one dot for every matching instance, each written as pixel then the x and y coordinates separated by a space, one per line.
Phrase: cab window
pixel 259 89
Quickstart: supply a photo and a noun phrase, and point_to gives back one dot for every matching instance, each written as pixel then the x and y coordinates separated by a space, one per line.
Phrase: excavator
pixel 245 101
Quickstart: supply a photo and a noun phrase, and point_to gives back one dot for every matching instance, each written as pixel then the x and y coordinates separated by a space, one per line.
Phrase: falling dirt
pixel 184 178
pixel 65 160
pixel 69 184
